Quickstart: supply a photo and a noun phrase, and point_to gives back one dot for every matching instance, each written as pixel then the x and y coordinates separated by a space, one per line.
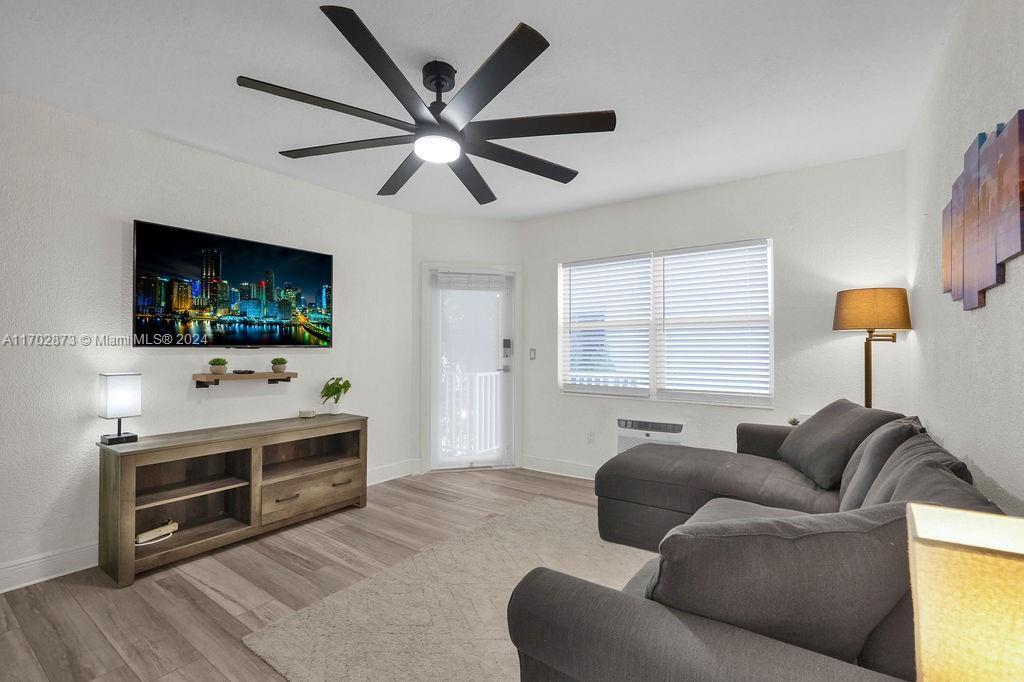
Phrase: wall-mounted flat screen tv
pixel 200 289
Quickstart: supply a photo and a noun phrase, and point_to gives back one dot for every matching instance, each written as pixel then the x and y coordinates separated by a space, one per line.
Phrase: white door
pixel 471 369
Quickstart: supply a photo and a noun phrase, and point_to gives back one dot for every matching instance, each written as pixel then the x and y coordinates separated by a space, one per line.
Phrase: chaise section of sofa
pixel 646 491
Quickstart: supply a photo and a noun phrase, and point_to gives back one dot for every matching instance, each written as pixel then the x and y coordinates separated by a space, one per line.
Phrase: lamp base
pixel 118 438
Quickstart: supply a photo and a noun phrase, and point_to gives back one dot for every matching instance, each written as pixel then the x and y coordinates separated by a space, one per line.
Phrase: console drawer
pixel 307 493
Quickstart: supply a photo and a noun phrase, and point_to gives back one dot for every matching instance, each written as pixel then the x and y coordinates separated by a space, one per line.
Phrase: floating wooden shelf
pixel 293 468
pixel 176 492
pixel 207 380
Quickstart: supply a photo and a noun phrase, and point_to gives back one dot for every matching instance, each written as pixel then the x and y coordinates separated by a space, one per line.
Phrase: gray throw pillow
pixel 821 446
pixel 869 458
pixel 818 581
pixel 916 449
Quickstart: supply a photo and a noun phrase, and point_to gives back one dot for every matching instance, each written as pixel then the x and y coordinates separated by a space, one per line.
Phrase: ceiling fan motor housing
pixel 438 76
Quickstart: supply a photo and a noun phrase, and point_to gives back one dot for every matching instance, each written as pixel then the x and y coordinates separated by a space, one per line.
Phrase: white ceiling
pixel 705 90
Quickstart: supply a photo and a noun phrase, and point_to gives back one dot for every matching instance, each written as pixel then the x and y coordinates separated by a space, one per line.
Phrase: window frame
pixel 657 326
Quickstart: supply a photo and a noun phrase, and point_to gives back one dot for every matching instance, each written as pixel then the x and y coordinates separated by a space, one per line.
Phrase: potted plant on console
pixel 218 366
pixel 332 392
pixel 279 365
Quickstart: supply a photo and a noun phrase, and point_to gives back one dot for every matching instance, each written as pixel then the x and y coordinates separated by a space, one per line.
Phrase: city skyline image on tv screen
pixel 199 289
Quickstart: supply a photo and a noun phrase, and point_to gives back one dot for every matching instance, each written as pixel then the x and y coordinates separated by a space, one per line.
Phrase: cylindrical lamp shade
pixel 120 395
pixel 879 308
pixel 967 583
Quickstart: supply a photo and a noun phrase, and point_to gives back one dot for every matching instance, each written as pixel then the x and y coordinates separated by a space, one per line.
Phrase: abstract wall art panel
pixel 988 268
pixel 956 241
pixel 1009 203
pixel 983 224
pixel 947 258
pixel 972 296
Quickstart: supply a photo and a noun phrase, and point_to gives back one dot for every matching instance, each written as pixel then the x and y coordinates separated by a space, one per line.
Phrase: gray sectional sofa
pixel 784 560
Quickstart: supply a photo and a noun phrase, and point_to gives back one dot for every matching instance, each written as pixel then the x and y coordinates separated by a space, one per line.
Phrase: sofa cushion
pixel 818 581
pixel 889 648
pixel 728 509
pixel 916 449
pixel 637 585
pixel 869 458
pixel 929 481
pixel 821 446
pixel 683 479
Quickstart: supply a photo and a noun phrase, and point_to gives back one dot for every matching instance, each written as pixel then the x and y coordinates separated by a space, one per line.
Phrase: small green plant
pixel 279 361
pixel 793 421
pixel 335 388
pixel 217 362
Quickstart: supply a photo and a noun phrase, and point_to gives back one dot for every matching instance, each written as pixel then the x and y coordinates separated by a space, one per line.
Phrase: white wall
pixel 834 227
pixel 968 365
pixel 69 189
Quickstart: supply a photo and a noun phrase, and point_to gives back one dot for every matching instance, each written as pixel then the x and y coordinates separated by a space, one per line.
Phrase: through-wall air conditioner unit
pixel 633 432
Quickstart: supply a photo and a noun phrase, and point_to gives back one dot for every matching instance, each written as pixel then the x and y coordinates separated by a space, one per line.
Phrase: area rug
pixel 440 614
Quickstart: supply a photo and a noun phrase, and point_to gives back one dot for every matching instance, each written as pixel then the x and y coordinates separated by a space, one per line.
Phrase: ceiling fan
pixel 444 132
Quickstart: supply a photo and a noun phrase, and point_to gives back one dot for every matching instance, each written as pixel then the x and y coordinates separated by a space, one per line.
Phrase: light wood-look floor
pixel 185 622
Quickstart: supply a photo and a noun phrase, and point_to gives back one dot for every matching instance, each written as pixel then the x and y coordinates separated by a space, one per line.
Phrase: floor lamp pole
pixel 867 368
pixel 872 337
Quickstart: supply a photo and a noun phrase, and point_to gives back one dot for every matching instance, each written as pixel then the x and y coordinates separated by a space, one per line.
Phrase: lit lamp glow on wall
pixel 967 583
pixel 120 396
pixel 870 310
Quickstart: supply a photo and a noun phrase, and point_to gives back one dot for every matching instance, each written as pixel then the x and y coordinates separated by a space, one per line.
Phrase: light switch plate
pixel 533 353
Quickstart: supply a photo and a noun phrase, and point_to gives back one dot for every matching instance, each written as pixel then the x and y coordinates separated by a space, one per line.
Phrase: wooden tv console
pixel 224 484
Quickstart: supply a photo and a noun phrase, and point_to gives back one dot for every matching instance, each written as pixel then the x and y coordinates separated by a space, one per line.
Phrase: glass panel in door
pixel 472 360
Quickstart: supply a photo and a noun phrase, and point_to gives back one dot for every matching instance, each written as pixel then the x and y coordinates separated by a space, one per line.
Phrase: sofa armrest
pixel 763 440
pixel 590 632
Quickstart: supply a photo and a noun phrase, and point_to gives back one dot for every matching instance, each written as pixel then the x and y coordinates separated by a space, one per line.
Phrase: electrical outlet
pixel 533 353
pixel 591 437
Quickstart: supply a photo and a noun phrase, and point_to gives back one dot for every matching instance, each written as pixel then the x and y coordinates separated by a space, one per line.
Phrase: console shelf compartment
pixel 176 492
pixel 296 468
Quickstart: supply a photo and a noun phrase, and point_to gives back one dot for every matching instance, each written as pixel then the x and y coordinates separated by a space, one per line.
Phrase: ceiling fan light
pixel 437 149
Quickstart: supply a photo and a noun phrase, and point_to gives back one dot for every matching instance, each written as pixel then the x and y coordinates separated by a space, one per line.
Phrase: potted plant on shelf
pixel 332 392
pixel 218 366
pixel 279 365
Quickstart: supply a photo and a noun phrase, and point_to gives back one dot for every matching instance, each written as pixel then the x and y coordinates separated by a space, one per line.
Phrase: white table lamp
pixel 120 396
pixel 967 583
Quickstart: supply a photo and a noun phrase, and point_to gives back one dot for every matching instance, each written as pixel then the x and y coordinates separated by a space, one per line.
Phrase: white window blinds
pixel 606 326
pixel 714 337
pixel 693 324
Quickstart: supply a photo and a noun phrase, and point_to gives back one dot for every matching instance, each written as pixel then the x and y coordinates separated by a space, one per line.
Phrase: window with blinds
pixel 693 324
pixel 606 326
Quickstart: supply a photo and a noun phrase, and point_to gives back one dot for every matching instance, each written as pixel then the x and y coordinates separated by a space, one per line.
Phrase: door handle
pixel 504 369
pixel 285 499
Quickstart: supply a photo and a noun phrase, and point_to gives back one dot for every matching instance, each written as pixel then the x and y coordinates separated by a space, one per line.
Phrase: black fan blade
pixel 348 146
pixel 520 160
pixel 472 179
pixel 355 31
pixel 288 93
pixel 401 175
pixel 534 126
pixel 518 51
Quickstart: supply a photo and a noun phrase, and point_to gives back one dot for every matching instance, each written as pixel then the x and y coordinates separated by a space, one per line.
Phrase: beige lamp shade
pixel 878 308
pixel 967 582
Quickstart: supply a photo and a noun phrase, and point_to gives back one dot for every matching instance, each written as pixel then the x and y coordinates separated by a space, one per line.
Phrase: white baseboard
pixel 387 472
pixel 559 466
pixel 35 569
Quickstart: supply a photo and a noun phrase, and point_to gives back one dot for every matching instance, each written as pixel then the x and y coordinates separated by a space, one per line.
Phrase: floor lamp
pixel 870 310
